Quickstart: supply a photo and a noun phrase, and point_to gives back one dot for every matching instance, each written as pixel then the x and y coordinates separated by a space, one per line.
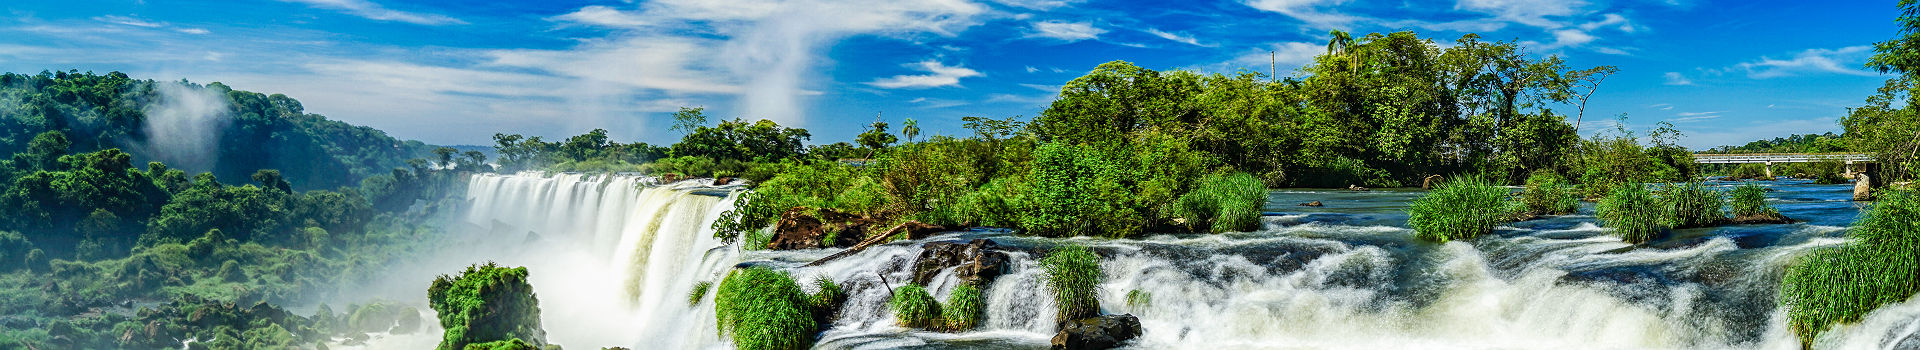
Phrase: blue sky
pixel 455 72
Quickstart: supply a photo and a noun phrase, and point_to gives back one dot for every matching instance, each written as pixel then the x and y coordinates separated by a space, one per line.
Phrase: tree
pixel 876 137
pixel 444 156
pixel 688 120
pixel 271 179
pixel 910 128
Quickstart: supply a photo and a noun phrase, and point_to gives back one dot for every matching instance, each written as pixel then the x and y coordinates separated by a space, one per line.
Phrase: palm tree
pixel 910 128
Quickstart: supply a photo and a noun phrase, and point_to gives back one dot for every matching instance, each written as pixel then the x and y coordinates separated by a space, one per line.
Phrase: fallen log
pixel 914 230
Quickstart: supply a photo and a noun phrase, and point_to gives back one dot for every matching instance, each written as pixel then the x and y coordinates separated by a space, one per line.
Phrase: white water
pixel 616 255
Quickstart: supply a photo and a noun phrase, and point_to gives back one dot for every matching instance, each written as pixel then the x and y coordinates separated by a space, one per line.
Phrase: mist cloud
pixel 183 128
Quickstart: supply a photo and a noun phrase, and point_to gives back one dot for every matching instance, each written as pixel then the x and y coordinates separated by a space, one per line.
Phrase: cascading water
pixel 614 256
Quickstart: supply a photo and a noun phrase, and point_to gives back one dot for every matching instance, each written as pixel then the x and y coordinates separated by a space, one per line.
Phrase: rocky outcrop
pixel 976 262
pixel 1760 219
pixel 1862 187
pixel 723 181
pixel 1356 188
pixel 797 230
pixel 1104 332
pixel 1312 204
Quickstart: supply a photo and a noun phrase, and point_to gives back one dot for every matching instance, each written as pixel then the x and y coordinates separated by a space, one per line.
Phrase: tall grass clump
pixel 1750 201
pixel 1842 284
pixel 1073 275
pixel 1632 212
pixel 698 292
pixel 914 308
pixel 1223 203
pixel 1459 209
pixel 964 309
pixel 1549 194
pixel 1693 204
pixel 763 309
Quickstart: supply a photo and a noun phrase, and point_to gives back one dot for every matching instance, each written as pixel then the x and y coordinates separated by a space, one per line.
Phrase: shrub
pixel 1073 275
pixel 1458 209
pixel 698 292
pixel 1749 171
pixel 1549 194
pixel 486 303
pixel 1842 284
pixel 1632 212
pixel 1750 200
pixel 763 309
pixel 510 344
pixel 1223 202
pixel 914 308
pixel 1069 184
pixel 1692 204
pixel 998 203
pixel 964 308
pixel 826 299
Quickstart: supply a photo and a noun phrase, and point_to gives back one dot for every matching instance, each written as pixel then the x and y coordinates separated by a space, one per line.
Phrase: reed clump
pixel 1548 193
pixel 1073 275
pixel 1459 209
pixel 914 307
pixel 1632 211
pixel 763 309
pixel 1693 204
pixel 1842 284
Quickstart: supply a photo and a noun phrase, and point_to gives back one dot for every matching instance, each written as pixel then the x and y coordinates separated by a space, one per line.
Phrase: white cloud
pixel 1677 79
pixel 1306 11
pixel 1030 69
pixel 194 31
pixel 602 16
pixel 1535 13
pixel 1280 58
pixel 940 75
pixel 1066 31
pixel 1611 20
pixel 1179 38
pixel 1696 114
pixel 1811 61
pixel 1038 4
pixel 369 10
pixel 123 20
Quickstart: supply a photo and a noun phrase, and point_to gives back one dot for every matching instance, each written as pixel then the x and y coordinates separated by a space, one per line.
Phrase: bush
pixel 763 309
pixel 13 251
pixel 1069 184
pixel 1459 209
pixel 1549 194
pixel 1632 212
pixel 486 303
pixel 1750 200
pixel 1843 284
pixel 1221 203
pixel 826 299
pixel 1692 204
pixel 510 344
pixel 914 308
pixel 998 203
pixel 1749 171
pixel 964 308
pixel 1073 275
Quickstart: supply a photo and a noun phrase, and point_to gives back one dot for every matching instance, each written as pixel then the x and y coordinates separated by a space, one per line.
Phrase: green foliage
pixel 763 309
pixel 964 309
pixel 1750 200
pixel 1549 194
pixel 1842 284
pixel 1749 171
pixel 1073 276
pixel 1692 204
pixel 876 137
pixel 698 292
pixel 827 294
pixel 1462 208
pixel 509 344
pixel 486 303
pixel 815 185
pixel 914 308
pixel 1222 203
pixel 1633 213
pixel 1138 300
pixel 742 141
pixel 1071 183
pixel 1609 160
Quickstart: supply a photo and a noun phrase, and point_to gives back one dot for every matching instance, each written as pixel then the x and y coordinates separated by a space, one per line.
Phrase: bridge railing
pixel 1733 158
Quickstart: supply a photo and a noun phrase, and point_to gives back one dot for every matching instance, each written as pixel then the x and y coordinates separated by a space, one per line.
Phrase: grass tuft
pixel 1842 284
pixel 914 308
pixel 1223 203
pixel 698 292
pixel 1750 200
pixel 1138 300
pixel 763 309
pixel 1549 194
pixel 1632 212
pixel 1693 204
pixel 1459 209
pixel 1073 274
pixel 964 309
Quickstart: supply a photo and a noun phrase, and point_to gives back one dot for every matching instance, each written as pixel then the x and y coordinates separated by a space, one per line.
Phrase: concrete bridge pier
pixel 1769 169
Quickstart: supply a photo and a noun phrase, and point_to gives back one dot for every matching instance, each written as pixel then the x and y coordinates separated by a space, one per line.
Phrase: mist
pixel 183 127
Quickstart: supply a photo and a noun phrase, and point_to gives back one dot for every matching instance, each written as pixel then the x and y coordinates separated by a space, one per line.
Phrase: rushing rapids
pixel 614 256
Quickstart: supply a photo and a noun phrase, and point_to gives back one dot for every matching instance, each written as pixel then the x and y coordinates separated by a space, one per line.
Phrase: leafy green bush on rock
pixel 486 303
pixel 763 309
pixel 1549 194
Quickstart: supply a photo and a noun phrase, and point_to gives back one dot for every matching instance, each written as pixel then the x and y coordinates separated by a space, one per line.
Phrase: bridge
pixel 1770 158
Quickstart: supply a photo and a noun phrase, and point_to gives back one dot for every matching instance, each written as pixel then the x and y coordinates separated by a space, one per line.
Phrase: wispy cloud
pixel 1066 31
pixel 1811 61
pixel 370 10
pixel 1308 11
pixel 602 16
pixel 1537 13
pixel 1677 79
pixel 939 75
pixel 1175 37
pixel 1038 4
pixel 142 23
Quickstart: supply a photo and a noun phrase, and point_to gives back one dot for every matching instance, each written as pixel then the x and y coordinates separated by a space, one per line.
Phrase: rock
pixel 1432 180
pixel 669 178
pixel 1760 219
pixel 1356 188
pixel 1312 204
pixel 976 262
pixel 1104 332
pixel 1863 188
pixel 797 230
pixel 723 181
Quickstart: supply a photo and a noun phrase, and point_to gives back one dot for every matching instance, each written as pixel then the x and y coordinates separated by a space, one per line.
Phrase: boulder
pixel 976 262
pixel 1356 188
pixel 1312 204
pixel 723 181
pixel 797 230
pixel 1432 180
pixel 1104 332
pixel 1862 188
pixel 1760 219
